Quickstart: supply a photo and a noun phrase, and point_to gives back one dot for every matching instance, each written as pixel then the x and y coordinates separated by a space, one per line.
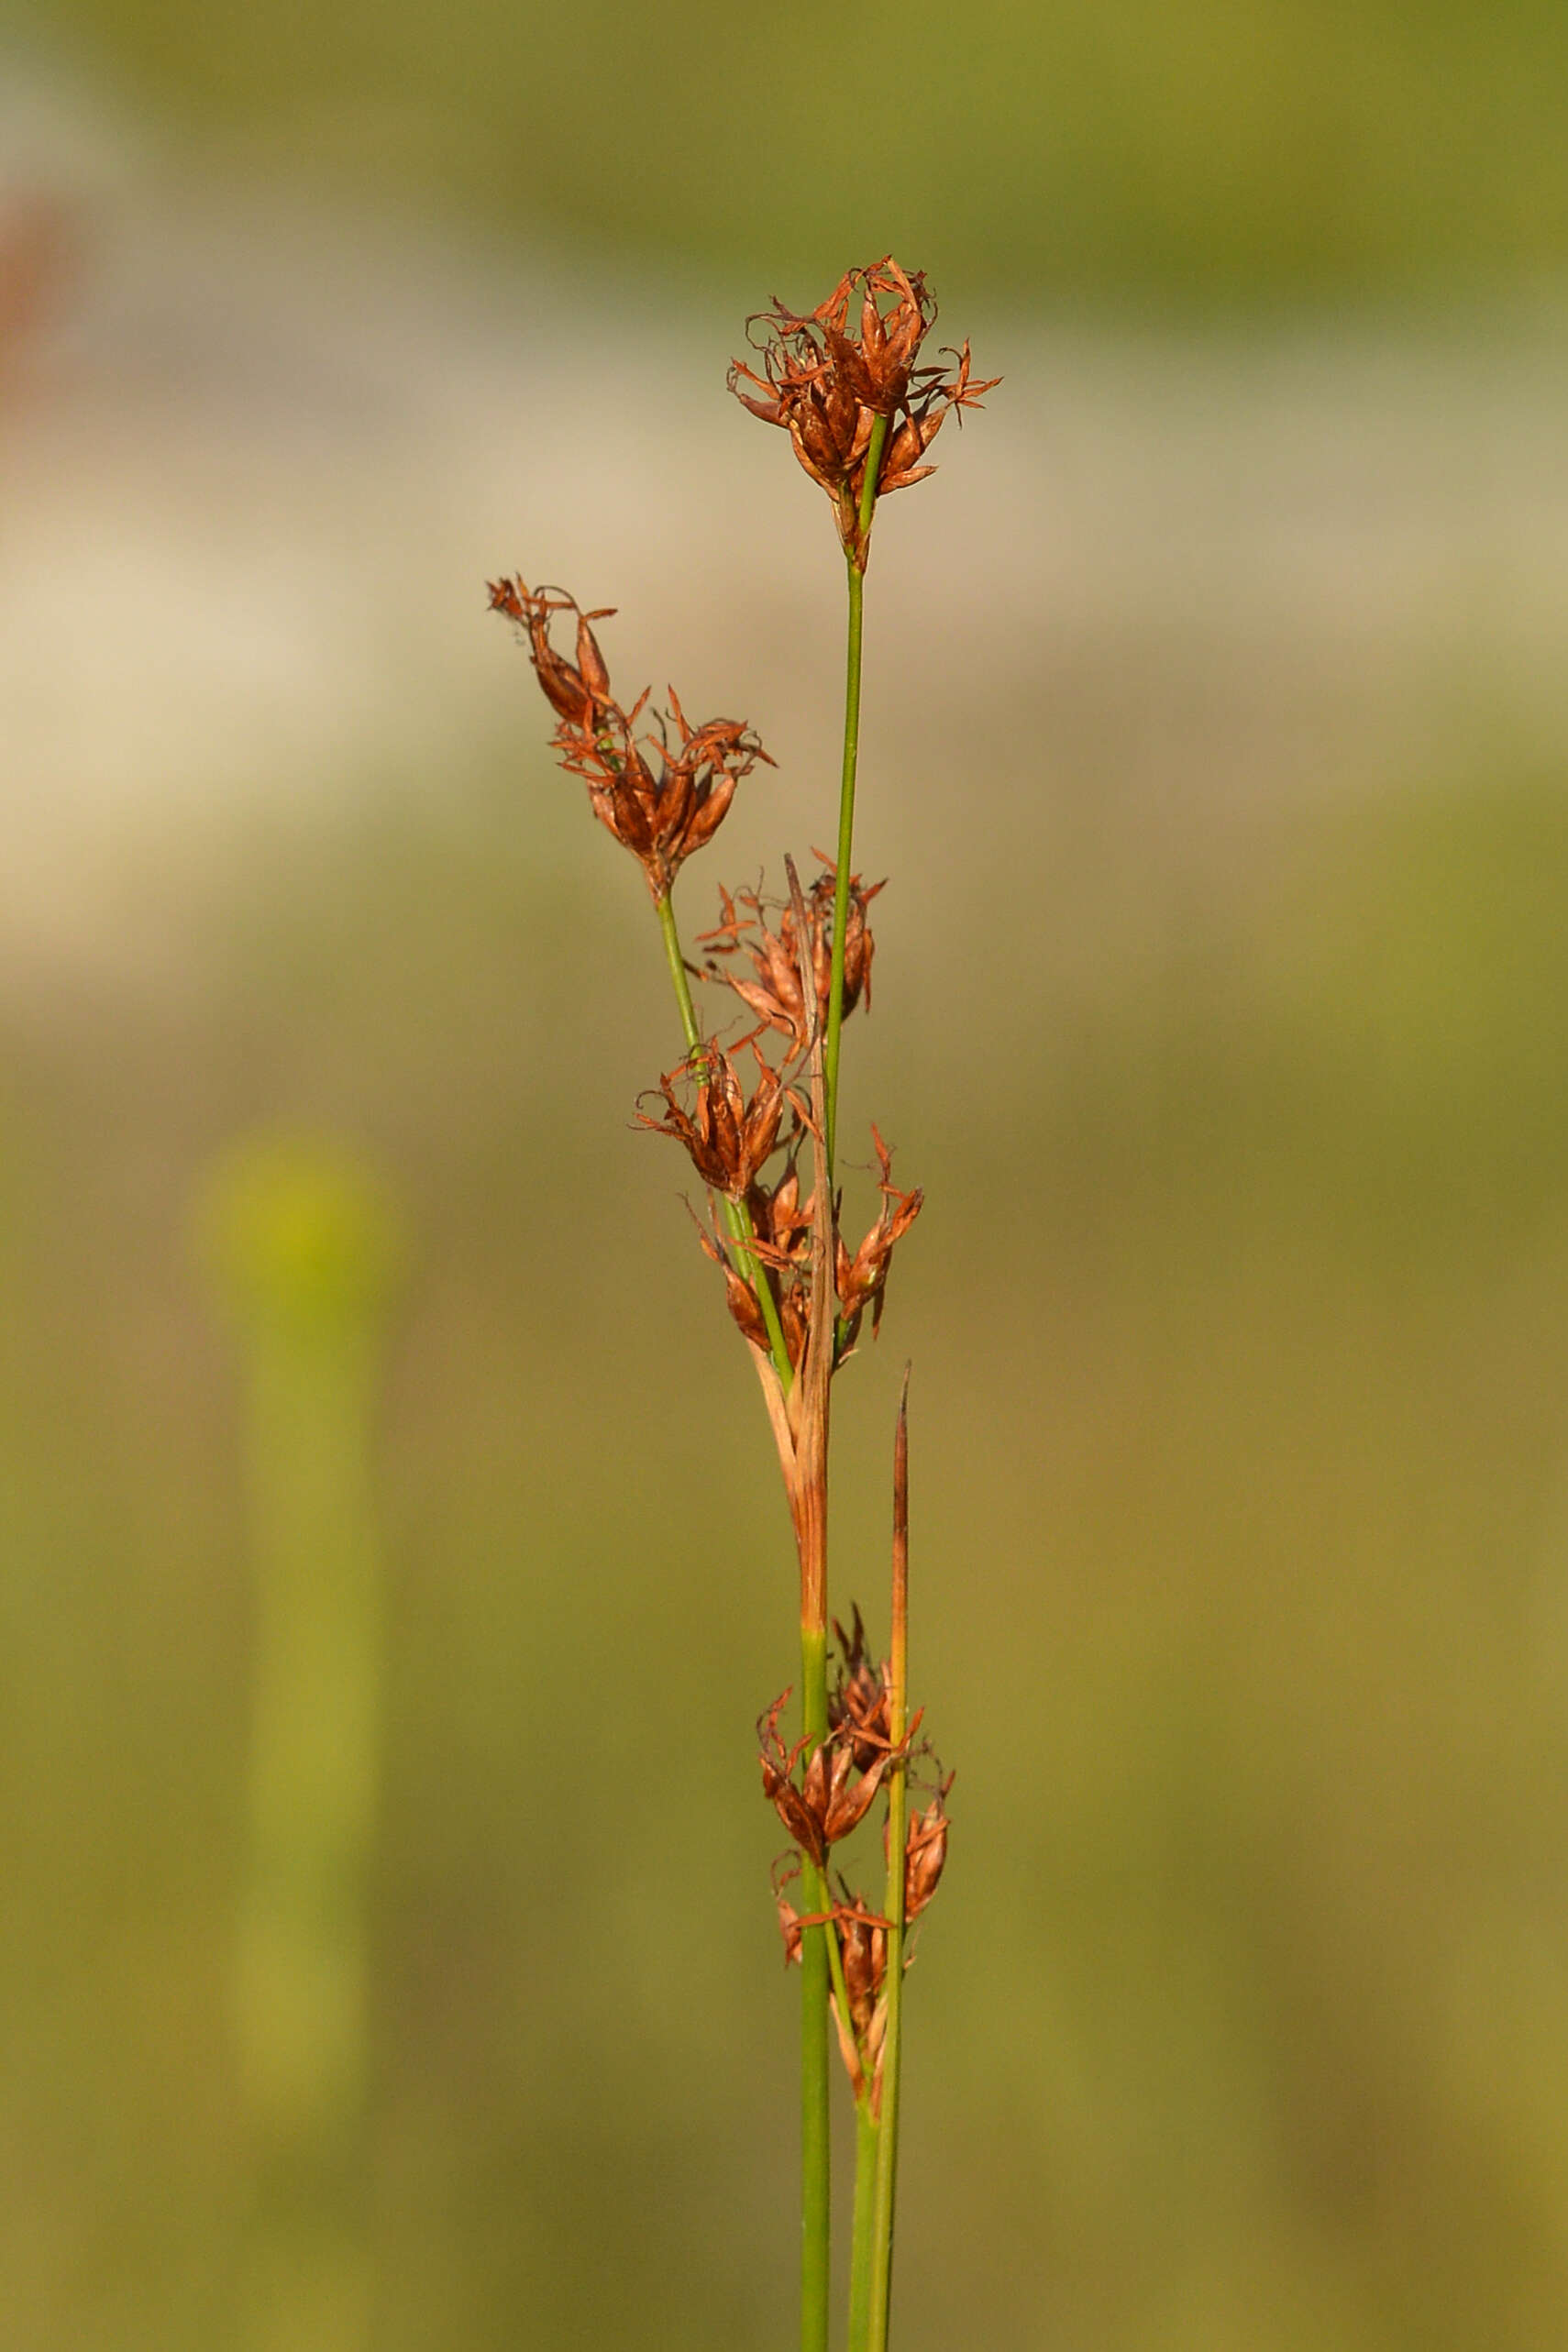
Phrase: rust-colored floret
pixel 828 374
pixel 575 692
pixel 831 1798
pixel 863 1945
pixel 782 1224
pixel 774 989
pixel 791 1926
pixel 664 793
pixel 857 1704
pixel 728 1135
pixel 739 1296
pixel 780 1242
pixel 862 1280
pixel 925 1851
pixel 862 1937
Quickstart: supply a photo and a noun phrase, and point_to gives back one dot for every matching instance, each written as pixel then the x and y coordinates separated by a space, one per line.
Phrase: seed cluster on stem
pixel 757 1114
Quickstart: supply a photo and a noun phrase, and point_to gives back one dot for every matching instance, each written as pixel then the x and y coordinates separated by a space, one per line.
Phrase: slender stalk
pixel 898 1812
pixel 815 2053
pixel 818 1953
pixel 677 963
pixel 856 570
pixel 736 1215
pixel 807 1481
pixel 816 2163
pixel 867 2141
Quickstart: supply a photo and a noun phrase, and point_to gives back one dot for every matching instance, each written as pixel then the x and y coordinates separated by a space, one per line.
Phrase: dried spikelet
pixel 661 794
pixel 826 381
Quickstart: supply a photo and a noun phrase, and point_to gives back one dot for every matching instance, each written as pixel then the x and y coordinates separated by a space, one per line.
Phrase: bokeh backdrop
pixel 393 1565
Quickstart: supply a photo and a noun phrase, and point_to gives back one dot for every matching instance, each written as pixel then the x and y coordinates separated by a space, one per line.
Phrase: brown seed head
pixel 779 1787
pixel 730 1136
pixel 664 794
pixel 725 1135
pixel 862 1939
pixel 576 691
pixel 831 1798
pixel 773 990
pixel 827 374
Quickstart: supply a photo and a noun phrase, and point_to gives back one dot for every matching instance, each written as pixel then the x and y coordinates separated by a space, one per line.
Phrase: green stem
pixel 888 2134
pixel 856 560
pixel 677 963
pixel 816 2173
pixel 737 1217
pixel 678 973
pixel 868 2137
pixel 897 1813
pixel 819 1950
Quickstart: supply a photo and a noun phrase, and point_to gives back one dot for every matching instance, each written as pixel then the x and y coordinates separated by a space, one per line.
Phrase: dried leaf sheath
pixel 805 1473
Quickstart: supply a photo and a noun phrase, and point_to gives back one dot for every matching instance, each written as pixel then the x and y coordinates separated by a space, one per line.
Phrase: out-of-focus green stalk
pixel 857 575
pixel 736 1215
pixel 306 1250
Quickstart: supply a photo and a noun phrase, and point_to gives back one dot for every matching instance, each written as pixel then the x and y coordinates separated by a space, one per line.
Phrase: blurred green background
pixel 1216 744
pixel 1215 150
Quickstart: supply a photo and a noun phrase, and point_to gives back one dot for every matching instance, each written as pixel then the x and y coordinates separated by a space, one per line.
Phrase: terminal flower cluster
pixel 828 375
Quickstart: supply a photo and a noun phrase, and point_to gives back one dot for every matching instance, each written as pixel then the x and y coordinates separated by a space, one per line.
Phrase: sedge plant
pixel 756 1112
